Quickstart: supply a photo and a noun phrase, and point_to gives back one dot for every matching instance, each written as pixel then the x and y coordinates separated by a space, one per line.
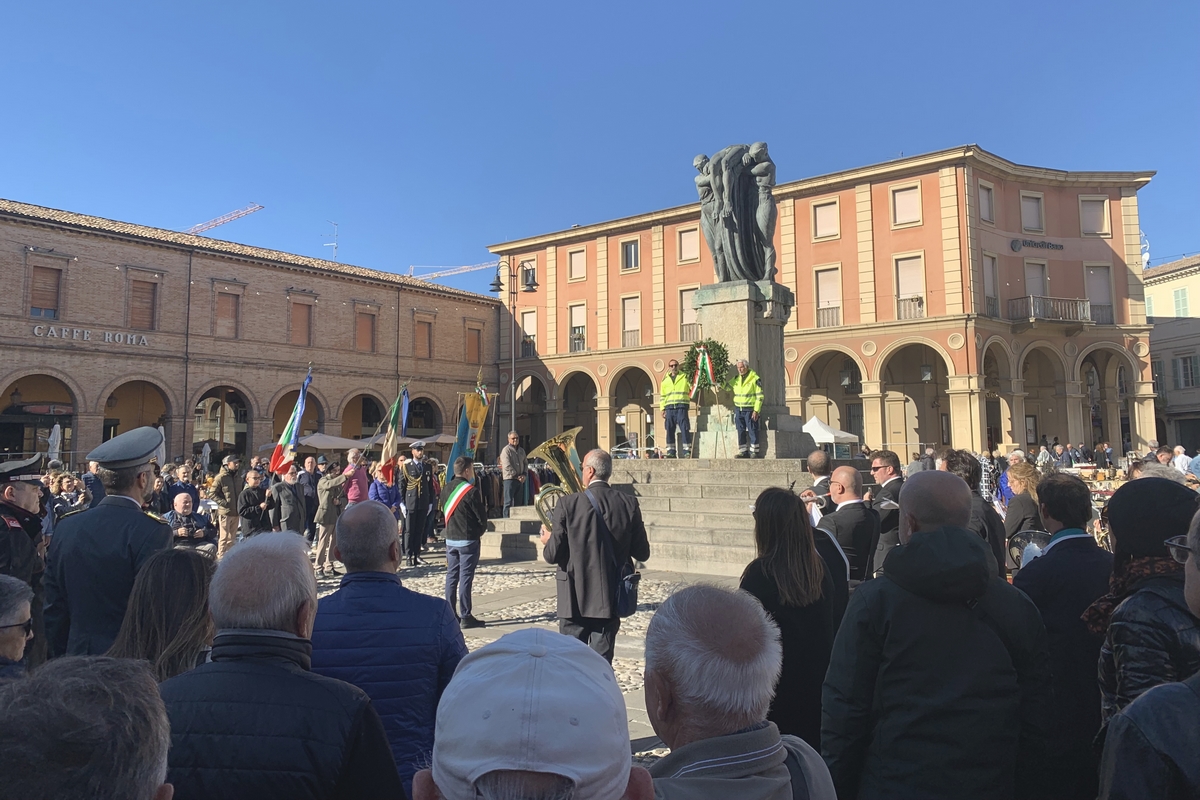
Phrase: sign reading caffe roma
pixel 86 335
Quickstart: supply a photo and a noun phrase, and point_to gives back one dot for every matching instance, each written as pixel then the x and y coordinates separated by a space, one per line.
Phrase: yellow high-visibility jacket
pixel 675 391
pixel 747 390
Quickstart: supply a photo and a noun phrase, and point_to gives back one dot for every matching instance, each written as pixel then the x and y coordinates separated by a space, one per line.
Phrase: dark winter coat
pixel 469 520
pixel 987 523
pixel 938 684
pixel 1151 746
pixel 400 647
pixel 255 519
pixel 1022 515
pixel 255 724
pixel 1152 639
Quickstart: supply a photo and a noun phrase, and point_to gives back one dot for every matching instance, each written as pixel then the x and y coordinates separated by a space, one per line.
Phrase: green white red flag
pixel 285 450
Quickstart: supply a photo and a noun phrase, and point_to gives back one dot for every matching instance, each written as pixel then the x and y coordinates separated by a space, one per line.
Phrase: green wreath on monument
pixel 706 366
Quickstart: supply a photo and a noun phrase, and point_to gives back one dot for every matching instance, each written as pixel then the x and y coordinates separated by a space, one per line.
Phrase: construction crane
pixel 443 272
pixel 230 217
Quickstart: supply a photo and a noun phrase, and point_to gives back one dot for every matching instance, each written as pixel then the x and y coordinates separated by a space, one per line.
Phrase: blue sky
pixel 430 130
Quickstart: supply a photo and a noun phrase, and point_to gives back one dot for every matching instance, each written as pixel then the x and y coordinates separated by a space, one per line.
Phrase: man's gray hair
pixel 364 534
pixel 513 433
pixel 1153 469
pixel 14 592
pixel 119 481
pixel 600 461
pixel 1018 453
pixel 507 784
pixel 720 652
pixel 79 728
pixel 261 583
pixel 742 361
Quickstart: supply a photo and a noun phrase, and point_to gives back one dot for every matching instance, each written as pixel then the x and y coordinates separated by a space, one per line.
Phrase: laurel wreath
pixel 718 356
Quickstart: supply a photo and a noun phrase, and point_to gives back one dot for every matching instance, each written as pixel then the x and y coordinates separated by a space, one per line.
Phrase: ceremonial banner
pixel 470 424
pixel 285 450
pixel 395 431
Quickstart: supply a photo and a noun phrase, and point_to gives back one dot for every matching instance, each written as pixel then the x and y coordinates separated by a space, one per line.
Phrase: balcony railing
pixel 1063 309
pixel 529 349
pixel 577 340
pixel 689 332
pixel 631 338
pixel 992 307
pixel 910 308
pixel 1102 315
pixel 829 317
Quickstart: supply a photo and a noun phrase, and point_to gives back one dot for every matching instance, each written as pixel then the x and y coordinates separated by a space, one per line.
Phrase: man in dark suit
pixel 95 554
pixel 819 467
pixel 289 510
pixel 885 471
pixel 853 525
pixel 586 578
pixel 416 487
pixel 1071 573
pixel 94 486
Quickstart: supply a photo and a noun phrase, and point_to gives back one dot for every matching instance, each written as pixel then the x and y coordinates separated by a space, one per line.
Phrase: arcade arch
pixel 361 416
pixel 530 412
pixel 312 421
pixel 631 398
pixel 222 422
pixel 30 407
pixel 832 386
pixel 915 381
pixel 580 399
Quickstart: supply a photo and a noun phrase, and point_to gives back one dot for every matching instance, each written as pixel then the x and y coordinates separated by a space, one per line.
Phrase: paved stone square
pixel 509 596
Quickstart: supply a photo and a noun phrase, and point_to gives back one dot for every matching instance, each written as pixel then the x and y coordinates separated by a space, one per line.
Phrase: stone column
pixel 1141 416
pixel 968 414
pixel 1073 399
pixel 179 436
pixel 606 426
pixel 1110 413
pixel 554 417
pixel 895 422
pixel 874 424
pixel 86 437
pixel 1017 433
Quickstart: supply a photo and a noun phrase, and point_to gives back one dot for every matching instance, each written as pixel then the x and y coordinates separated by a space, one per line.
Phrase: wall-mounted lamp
pixel 926 373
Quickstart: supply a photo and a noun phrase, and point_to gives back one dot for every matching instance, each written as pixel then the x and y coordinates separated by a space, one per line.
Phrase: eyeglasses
pixel 672 366
pixel 876 469
pixel 27 625
pixel 1179 548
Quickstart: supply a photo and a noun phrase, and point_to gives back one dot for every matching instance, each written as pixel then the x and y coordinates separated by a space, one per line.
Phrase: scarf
pixel 1123 583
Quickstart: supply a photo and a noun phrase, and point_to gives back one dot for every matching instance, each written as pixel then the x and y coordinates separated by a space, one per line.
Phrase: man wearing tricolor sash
pixel 466 520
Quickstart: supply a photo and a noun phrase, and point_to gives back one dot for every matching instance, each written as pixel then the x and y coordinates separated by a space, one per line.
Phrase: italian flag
pixel 391 442
pixel 456 497
pixel 285 450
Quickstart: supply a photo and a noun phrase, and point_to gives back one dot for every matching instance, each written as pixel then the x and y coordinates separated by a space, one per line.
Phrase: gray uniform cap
pixel 21 471
pixel 130 449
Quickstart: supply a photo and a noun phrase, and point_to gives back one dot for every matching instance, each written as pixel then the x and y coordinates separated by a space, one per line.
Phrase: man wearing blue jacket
pixel 399 646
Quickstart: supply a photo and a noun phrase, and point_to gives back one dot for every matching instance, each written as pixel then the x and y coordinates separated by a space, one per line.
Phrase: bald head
pixel 367 538
pixel 845 484
pixel 931 499
pixel 818 463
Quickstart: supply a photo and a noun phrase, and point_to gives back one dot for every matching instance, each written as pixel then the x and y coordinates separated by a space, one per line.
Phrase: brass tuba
pixel 560 455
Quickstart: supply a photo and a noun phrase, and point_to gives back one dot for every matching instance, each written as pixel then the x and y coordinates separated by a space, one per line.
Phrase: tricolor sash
pixel 455 499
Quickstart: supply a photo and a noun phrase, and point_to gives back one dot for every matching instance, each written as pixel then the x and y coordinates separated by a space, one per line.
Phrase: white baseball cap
pixel 537 701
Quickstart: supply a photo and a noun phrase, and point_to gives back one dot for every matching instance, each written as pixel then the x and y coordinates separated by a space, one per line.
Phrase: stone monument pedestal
pixel 748 318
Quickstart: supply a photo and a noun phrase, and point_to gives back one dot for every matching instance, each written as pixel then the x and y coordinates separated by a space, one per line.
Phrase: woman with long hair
pixel 167 621
pixel 1023 513
pixel 790 580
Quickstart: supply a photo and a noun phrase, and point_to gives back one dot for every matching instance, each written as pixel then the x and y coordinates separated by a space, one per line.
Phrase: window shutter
pixel 989 276
pixel 227 315
pixel 576 264
pixel 1099 288
pixel 45 289
pixel 424 343
pixel 687 313
pixel 829 288
pixel 301 324
pixel 1176 373
pixel 910 278
pixel 985 204
pixel 906 205
pixel 689 245
pixel 1195 361
pixel 529 323
pixel 825 220
pixel 631 313
pixel 142 295
pixel 474 340
pixel 364 332
pixel 1031 213
pixel 1092 213
pixel 1035 280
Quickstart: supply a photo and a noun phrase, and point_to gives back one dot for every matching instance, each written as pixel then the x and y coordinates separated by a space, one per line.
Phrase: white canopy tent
pixel 824 434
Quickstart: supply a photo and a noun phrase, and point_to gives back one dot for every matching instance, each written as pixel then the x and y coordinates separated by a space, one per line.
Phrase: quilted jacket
pixel 397 645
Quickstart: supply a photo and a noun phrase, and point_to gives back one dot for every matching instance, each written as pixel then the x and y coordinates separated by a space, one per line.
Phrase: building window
pixel 689 328
pixel 987 202
pixel 1099 292
pixel 1156 368
pixel 1187 371
pixel 1032 219
pixel 1035 278
pixel 423 346
pixel 906 205
pixel 577 316
pixel 225 324
pixel 631 321
pixel 529 329
pixel 1149 305
pixel 43 299
pixel 528 273
pixel 689 245
pixel 629 254
pixel 301 324
pixel 1093 215
pixel 910 288
pixel 829 298
pixel 364 332
pixel 576 265
pixel 142 303
pixel 990 298
pixel 1181 302
pixel 474 346
pixel 826 223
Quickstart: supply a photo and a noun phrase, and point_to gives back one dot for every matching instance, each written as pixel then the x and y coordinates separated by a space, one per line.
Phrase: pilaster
pixel 551 301
pixel 658 290
pixel 787 244
pixel 602 315
pixel 1131 230
pixel 951 240
pixel 866 253
pixel 873 414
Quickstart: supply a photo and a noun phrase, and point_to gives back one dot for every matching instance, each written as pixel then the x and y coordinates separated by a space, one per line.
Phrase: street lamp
pixel 506 267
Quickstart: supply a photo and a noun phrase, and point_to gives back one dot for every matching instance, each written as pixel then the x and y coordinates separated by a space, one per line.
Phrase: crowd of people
pixel 877 646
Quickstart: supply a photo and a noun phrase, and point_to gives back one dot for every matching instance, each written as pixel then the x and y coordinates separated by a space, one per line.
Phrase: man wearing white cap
pixel 536 715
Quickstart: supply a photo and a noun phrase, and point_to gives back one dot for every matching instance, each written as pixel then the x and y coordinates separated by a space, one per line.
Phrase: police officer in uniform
pixel 21 541
pixel 95 554
pixel 676 400
pixel 416 487
pixel 747 403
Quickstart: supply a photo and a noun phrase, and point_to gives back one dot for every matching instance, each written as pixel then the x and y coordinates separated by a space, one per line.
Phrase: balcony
pixel 631 338
pixel 689 332
pixel 529 348
pixel 1102 315
pixel 910 308
pixel 829 317
pixel 1057 309
pixel 577 341
pixel 992 307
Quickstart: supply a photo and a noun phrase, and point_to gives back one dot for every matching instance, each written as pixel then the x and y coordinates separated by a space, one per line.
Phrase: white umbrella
pixel 54 447
pixel 206 455
pixel 161 453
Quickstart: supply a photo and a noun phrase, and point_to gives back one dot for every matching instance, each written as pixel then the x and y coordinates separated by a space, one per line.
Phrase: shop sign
pixel 86 335
pixel 1017 244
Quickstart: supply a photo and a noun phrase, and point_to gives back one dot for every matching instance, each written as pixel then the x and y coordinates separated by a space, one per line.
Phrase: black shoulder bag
pixel 625 601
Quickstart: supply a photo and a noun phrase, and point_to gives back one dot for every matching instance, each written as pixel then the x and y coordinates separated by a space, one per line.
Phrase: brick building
pixel 947 298
pixel 105 326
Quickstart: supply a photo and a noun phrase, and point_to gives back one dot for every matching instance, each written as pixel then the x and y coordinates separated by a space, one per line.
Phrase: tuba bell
pixel 560 455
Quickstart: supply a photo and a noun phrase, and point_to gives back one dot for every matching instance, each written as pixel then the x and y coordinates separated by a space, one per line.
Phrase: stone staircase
pixel 697 512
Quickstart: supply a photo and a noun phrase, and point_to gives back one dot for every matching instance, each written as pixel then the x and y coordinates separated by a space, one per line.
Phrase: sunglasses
pixel 27 625
pixel 876 469
pixel 1179 548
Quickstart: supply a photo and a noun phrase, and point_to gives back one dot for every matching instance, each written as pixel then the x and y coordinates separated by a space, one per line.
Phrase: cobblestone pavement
pixel 509 596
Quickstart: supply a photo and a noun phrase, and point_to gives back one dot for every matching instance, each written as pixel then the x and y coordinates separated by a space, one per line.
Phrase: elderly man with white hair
pixel 255 721
pixel 712 660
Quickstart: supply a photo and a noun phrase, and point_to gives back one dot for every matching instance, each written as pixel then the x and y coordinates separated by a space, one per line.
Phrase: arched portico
pixel 831 385
pixel 30 406
pixel 223 420
pixel 530 411
pixel 632 406
pixel 914 387
pixel 579 397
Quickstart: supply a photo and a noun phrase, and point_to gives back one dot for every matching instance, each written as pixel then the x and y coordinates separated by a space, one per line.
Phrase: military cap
pixel 21 471
pixel 131 449
pixel 418 446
